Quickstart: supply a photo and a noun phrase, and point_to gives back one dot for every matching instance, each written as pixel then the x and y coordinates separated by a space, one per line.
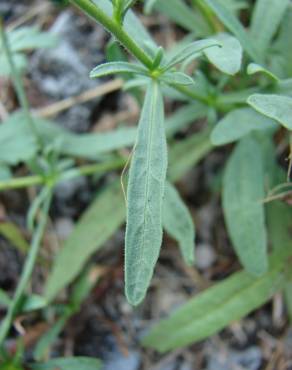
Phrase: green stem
pixel 27 270
pixel 95 12
pixel 116 29
pixel 16 78
pixel 87 170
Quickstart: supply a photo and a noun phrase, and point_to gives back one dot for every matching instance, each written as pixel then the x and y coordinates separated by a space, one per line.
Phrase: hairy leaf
pixel 178 223
pixel 243 194
pixel 273 106
pixel 116 67
pixel 94 227
pixel 177 78
pixel 253 68
pixel 227 58
pixel 145 197
pixel 265 21
pixel 192 50
pixel 215 308
pixel 234 26
pixel 238 123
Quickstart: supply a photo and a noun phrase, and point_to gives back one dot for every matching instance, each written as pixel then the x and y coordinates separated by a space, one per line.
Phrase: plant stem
pixel 95 12
pixel 27 270
pixel 16 78
pixel 116 29
pixel 87 170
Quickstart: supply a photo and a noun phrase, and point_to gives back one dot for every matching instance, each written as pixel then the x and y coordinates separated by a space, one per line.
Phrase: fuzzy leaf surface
pixel 145 197
pixel 243 194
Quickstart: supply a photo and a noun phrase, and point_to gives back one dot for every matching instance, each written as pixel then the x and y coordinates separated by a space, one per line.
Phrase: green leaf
pixel 192 50
pixel 281 54
pixel 132 25
pixel 20 62
pixel 176 78
pixel 227 58
pixel 212 310
pixel 243 194
pixel 253 68
pixel 4 299
pixel 265 21
pixel 182 14
pixel 273 106
pixel 234 26
pixel 115 68
pixel 17 144
pixel 12 233
pixel 33 302
pixel 70 363
pixel 239 123
pixel 178 223
pixel 29 38
pixel 95 227
pixel 145 197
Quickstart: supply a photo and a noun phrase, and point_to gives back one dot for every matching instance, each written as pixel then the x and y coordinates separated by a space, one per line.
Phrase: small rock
pixel 64 227
pixel 205 256
pixel 249 359
pixel 121 362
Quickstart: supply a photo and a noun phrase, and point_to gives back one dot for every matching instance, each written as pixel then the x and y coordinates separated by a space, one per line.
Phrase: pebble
pixel 205 256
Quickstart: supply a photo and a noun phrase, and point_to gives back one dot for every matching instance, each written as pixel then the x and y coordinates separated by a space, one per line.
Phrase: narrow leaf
pixel 95 227
pixel 145 195
pixel 243 194
pixel 178 223
pixel 239 123
pixel 253 68
pixel 234 26
pixel 176 78
pixel 70 363
pixel 215 308
pixel 192 50
pixel 228 57
pixel 265 21
pixel 116 67
pixel 273 106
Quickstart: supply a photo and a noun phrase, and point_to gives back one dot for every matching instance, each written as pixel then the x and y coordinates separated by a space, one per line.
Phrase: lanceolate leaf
pixel 178 223
pixel 234 26
pixel 277 107
pixel 238 123
pixel 192 50
pixel 116 67
pixel 145 197
pixel 226 58
pixel 243 194
pixel 214 309
pixel 253 68
pixel 266 20
pixel 73 363
pixel 95 227
pixel 177 78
